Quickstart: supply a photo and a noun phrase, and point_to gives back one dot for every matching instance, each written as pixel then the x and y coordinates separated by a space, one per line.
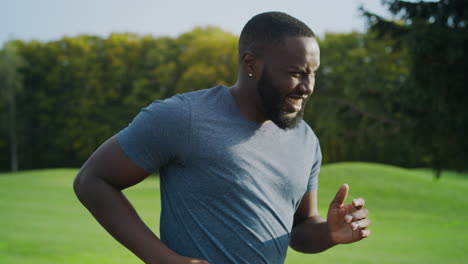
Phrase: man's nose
pixel 307 86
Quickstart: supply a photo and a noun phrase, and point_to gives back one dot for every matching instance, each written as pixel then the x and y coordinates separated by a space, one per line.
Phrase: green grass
pixel 414 218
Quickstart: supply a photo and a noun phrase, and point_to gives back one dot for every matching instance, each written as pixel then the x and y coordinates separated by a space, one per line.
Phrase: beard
pixel 274 104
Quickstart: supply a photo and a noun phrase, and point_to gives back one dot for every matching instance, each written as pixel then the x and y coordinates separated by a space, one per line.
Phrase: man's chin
pixel 288 120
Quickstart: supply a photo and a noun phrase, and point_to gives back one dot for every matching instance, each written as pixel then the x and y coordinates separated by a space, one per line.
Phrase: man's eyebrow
pixel 297 67
pixel 304 68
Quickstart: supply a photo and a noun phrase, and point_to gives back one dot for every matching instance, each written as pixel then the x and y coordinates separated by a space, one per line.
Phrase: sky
pixel 48 20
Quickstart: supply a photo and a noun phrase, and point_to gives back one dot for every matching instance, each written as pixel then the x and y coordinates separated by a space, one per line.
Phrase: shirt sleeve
pixel 158 134
pixel 314 173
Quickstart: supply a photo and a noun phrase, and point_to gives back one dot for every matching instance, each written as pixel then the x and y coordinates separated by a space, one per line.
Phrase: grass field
pixel 414 218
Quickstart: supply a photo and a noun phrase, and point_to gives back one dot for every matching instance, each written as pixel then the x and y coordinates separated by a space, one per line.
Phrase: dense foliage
pixel 394 98
pixel 435 35
pixel 79 91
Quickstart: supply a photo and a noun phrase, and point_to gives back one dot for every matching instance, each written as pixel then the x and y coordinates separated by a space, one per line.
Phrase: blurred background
pixel 390 106
pixel 391 88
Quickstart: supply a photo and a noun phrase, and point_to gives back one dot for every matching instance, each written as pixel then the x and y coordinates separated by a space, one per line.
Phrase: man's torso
pixel 230 194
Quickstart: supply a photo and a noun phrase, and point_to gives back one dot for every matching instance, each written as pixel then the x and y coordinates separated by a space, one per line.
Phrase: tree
pixel 355 105
pixel 11 84
pixel 208 57
pixel 436 37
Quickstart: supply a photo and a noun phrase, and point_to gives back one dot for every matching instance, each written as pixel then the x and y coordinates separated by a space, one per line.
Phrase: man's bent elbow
pixel 78 185
pixel 81 185
pixel 301 242
pixel 306 249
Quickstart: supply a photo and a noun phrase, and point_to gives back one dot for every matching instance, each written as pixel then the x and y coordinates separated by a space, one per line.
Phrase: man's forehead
pixel 296 52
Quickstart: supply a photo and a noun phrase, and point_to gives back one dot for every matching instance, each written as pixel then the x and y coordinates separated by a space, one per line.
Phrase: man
pixel 238 166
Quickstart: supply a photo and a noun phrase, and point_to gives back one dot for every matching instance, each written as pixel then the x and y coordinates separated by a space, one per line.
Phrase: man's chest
pixel 228 159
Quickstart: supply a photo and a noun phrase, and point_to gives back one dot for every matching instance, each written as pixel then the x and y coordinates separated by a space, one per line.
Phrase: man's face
pixel 288 80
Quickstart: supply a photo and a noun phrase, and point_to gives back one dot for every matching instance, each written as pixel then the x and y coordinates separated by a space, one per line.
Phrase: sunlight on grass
pixel 415 219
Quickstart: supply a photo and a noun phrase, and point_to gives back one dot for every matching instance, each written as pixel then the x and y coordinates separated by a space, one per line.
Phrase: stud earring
pixel 250 75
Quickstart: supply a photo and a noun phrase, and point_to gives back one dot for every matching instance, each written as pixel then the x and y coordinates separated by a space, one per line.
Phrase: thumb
pixel 340 196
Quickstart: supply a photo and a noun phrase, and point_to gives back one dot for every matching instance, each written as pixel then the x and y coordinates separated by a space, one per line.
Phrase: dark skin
pixel 108 171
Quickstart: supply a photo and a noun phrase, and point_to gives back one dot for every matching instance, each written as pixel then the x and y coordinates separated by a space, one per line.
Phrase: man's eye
pixel 296 74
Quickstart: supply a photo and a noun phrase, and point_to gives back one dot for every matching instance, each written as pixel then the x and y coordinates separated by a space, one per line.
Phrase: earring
pixel 250 75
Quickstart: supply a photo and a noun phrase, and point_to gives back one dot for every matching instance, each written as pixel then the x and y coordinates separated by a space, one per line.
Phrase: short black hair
pixel 270 28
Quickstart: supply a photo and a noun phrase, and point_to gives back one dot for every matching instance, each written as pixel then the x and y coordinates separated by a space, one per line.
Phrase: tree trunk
pixel 13 141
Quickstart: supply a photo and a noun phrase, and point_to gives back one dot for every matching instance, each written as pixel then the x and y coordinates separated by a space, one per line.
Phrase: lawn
pixel 415 219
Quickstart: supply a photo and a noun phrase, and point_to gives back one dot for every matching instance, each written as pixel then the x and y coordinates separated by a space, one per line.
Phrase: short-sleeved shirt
pixel 229 186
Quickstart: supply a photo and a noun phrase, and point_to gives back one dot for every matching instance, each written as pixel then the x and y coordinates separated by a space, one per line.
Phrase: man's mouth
pixel 293 104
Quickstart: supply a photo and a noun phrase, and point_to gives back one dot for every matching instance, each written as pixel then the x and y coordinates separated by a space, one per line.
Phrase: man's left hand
pixel 347 223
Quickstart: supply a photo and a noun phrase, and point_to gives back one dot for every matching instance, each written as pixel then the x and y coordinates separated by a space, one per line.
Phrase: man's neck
pixel 248 102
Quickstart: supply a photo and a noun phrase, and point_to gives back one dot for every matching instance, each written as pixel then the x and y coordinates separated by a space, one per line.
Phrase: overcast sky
pixel 47 20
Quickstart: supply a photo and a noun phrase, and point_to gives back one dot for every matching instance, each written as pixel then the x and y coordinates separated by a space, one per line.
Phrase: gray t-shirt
pixel 229 186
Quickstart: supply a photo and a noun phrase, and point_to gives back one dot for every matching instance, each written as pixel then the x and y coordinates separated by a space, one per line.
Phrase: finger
pixel 358 202
pixel 361 224
pixel 365 233
pixel 360 234
pixel 340 196
pixel 357 215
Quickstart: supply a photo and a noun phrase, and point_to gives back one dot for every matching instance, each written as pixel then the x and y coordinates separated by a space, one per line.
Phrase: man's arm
pixel 310 232
pixel 345 223
pixel 99 186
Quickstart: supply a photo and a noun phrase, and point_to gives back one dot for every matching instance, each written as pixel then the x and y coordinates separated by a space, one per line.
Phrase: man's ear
pixel 251 64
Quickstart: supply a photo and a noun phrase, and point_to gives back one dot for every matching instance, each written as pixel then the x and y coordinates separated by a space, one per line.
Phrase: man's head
pixel 279 54
pixel 268 29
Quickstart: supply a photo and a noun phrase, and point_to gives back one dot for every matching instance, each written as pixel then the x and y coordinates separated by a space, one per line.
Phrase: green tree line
pixel 72 94
pixel 76 92
pixel 435 36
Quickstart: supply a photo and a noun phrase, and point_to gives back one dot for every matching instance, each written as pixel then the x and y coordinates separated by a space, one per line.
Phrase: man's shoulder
pixel 209 101
pixel 182 107
pixel 205 94
pixel 181 102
